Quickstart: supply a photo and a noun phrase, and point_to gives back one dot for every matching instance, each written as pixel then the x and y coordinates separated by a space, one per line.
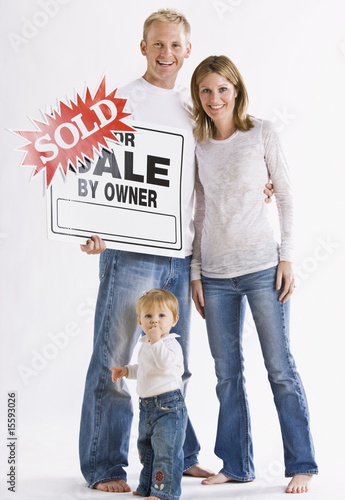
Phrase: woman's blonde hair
pixel 167 16
pixel 160 297
pixel 204 126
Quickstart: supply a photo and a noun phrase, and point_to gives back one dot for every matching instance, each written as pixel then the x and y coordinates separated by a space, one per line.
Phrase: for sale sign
pixel 130 195
pixel 120 181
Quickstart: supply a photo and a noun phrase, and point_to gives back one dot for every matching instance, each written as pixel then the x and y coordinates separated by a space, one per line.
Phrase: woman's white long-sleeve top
pixel 233 234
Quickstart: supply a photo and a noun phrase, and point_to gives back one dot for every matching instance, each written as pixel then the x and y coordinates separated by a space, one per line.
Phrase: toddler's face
pixel 157 316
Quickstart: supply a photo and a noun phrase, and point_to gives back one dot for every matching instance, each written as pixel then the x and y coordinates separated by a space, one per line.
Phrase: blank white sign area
pixel 129 223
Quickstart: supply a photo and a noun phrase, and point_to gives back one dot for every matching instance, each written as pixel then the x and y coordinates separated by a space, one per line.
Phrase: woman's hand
pixel 268 192
pixel 285 279
pixel 198 297
pixel 94 246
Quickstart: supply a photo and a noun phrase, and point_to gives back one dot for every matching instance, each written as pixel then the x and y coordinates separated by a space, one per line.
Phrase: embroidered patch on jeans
pixel 159 477
pixel 160 487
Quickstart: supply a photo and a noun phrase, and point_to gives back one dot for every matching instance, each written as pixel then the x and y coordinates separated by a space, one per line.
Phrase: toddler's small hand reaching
pixel 118 372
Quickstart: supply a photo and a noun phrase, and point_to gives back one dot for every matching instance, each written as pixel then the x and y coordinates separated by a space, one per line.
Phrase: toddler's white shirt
pixel 159 368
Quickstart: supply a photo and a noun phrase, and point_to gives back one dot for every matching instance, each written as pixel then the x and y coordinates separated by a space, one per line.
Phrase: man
pixel 107 412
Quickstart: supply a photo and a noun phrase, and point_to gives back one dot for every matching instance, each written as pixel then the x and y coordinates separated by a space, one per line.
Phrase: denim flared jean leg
pixel 225 303
pixel 107 408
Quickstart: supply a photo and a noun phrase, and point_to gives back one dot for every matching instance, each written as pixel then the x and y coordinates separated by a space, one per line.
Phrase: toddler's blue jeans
pixel 162 429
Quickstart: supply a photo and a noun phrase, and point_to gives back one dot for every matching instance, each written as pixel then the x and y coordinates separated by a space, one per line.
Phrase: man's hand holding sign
pixel 94 246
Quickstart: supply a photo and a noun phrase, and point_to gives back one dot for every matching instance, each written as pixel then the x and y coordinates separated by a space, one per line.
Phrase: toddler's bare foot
pixel 147 498
pixel 217 479
pixel 197 471
pixel 299 484
pixel 114 486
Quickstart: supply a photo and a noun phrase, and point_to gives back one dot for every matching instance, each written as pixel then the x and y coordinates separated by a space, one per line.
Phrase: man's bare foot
pixel 197 471
pixel 299 484
pixel 217 479
pixel 114 486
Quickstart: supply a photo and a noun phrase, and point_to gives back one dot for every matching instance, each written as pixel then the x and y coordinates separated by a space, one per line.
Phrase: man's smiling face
pixel 165 49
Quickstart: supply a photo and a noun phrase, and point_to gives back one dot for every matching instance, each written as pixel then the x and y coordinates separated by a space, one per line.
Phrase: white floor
pixel 48 469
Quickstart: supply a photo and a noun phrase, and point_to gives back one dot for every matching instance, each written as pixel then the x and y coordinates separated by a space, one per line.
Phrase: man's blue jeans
pixel 225 301
pixel 107 408
pixel 162 429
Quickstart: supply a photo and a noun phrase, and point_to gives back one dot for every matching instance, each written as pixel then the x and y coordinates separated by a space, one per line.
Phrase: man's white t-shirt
pixel 150 104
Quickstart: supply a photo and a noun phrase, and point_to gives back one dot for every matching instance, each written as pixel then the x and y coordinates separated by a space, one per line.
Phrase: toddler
pixel 163 414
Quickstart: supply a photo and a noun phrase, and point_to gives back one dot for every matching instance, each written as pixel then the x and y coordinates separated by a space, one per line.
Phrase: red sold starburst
pixel 74 133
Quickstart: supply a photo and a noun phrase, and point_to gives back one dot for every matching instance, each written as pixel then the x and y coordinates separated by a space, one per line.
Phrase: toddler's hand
pixel 154 334
pixel 118 372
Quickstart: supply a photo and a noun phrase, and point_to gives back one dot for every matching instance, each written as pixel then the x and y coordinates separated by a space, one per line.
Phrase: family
pixel 231 257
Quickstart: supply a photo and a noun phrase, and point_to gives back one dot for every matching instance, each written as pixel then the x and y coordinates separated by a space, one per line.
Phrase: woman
pixel 235 259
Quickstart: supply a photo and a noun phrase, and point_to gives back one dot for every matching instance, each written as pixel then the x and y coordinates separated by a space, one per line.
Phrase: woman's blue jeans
pixel 162 429
pixel 225 302
pixel 107 408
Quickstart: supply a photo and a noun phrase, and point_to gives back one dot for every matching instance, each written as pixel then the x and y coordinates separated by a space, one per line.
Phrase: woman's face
pixel 217 96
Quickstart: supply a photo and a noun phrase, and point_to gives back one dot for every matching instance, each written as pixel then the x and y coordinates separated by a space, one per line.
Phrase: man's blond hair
pixel 167 16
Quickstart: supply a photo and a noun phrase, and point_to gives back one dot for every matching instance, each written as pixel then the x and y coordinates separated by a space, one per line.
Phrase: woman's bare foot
pixel 299 484
pixel 217 479
pixel 114 486
pixel 197 471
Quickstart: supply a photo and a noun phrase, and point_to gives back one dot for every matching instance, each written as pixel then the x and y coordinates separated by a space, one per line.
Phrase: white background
pixel 291 54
